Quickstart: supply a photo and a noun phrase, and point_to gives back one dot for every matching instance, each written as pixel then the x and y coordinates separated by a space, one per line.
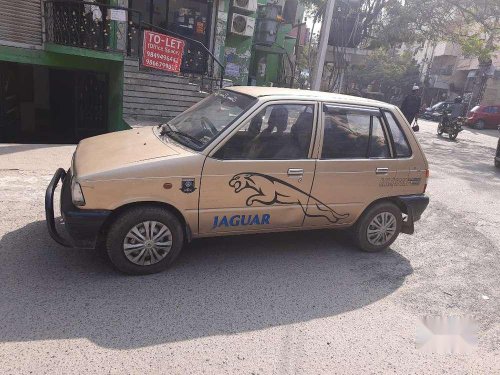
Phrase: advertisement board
pixel 162 52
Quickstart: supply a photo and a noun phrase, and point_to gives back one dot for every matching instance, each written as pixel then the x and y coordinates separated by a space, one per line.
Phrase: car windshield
pixel 199 125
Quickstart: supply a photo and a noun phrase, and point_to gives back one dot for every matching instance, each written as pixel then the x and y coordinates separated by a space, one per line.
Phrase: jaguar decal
pixel 269 190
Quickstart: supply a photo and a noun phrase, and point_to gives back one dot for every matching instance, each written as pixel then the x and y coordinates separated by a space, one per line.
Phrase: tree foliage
pixel 386 72
pixel 473 24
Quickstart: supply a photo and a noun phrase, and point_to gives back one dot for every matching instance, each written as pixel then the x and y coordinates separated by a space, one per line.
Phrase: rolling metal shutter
pixel 21 22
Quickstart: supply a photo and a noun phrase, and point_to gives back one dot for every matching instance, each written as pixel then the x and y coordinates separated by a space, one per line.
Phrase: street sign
pixel 118 15
pixel 162 52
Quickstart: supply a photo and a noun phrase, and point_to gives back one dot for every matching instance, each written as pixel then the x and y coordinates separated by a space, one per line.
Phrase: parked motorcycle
pixel 450 126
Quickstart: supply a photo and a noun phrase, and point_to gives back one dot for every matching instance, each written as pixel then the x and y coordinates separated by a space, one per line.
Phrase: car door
pixel 357 163
pixel 259 178
pixel 495 116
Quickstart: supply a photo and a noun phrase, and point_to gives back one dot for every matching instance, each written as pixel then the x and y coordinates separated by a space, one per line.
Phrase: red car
pixel 484 116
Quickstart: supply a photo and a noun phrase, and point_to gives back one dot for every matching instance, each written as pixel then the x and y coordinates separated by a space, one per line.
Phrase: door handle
pixel 382 170
pixel 295 172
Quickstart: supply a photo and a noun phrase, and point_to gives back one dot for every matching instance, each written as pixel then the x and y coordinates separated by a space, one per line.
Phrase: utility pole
pixel 323 44
pixel 297 45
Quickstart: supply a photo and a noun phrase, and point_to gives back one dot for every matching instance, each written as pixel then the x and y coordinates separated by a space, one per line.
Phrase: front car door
pixel 259 178
pixel 359 162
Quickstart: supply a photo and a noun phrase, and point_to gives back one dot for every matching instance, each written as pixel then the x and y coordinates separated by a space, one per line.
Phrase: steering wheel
pixel 208 125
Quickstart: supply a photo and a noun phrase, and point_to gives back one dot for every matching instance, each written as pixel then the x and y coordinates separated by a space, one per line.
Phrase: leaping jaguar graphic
pixel 270 190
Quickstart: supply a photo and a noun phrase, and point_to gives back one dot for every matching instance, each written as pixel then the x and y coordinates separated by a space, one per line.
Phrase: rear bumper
pixel 83 226
pixel 413 206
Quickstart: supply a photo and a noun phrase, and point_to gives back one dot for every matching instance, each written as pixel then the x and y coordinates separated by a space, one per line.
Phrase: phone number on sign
pixel 160 56
pixel 161 64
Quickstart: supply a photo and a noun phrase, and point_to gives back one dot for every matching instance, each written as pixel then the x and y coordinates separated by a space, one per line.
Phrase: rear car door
pixel 259 178
pixel 358 163
pixel 495 115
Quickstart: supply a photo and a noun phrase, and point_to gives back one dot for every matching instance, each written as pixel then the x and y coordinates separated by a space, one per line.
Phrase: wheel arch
pixel 399 201
pixel 394 199
pixel 121 209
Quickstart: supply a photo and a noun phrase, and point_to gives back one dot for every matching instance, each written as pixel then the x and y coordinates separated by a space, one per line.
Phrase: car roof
pixel 280 92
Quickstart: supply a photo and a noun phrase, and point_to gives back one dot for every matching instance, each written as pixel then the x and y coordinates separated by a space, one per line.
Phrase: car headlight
pixel 77 194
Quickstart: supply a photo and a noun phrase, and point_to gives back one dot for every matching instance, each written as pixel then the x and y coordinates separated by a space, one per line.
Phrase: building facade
pixel 446 74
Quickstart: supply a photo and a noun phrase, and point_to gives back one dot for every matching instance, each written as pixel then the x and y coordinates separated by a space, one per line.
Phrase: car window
pixel 278 132
pixel 401 147
pixel 350 134
pixel 379 147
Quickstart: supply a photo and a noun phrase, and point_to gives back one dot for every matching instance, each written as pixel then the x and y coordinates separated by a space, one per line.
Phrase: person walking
pixel 411 104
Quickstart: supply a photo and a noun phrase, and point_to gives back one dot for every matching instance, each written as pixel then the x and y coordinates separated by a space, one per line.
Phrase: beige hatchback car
pixel 243 160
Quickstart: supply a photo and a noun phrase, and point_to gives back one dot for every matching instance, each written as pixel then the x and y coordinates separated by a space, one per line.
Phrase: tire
pixel 440 129
pixel 386 209
pixel 452 136
pixel 479 125
pixel 497 163
pixel 155 257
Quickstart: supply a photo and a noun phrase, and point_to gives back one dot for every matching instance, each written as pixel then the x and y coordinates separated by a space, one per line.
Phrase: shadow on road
pixel 219 286
pixel 6 149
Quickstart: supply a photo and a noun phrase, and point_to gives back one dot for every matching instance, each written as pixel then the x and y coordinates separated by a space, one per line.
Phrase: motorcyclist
pixel 457 108
pixel 411 104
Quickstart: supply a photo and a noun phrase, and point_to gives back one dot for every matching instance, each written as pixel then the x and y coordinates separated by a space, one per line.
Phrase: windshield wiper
pixel 167 129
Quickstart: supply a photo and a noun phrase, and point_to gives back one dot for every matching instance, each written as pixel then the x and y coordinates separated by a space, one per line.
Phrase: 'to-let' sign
pixel 162 52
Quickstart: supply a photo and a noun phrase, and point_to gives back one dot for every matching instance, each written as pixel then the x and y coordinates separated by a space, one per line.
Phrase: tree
pixel 378 24
pixel 387 72
pixel 473 25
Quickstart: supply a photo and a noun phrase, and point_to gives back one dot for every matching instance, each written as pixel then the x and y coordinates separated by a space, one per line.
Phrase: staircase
pixel 154 96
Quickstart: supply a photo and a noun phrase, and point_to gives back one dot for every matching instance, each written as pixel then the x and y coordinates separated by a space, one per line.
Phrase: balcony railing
pixel 91 25
pixel 109 28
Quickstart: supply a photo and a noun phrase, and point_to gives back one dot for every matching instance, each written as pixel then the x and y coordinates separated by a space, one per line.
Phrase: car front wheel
pixel 144 240
pixel 379 227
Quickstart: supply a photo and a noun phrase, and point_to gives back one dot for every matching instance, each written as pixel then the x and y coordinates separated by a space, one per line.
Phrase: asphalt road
pixel 266 304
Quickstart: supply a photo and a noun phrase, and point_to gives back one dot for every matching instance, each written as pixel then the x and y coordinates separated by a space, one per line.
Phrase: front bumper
pixel 83 226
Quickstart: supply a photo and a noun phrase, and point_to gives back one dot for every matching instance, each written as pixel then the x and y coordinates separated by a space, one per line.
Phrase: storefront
pixel 190 18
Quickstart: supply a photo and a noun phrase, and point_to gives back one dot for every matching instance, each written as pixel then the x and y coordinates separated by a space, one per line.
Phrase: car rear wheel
pixel 144 240
pixel 379 227
pixel 480 125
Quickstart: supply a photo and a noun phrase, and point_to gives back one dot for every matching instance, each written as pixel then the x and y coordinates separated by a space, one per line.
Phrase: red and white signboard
pixel 162 52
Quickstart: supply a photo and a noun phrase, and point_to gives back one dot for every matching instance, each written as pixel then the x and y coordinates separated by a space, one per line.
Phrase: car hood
pixel 116 150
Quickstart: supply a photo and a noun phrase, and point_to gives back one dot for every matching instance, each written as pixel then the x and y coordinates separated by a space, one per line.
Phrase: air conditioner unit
pixel 248 5
pixel 242 25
